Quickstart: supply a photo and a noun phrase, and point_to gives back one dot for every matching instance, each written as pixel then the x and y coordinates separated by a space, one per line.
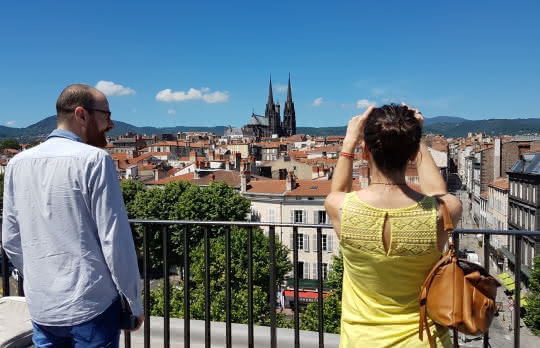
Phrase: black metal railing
pixel 187 225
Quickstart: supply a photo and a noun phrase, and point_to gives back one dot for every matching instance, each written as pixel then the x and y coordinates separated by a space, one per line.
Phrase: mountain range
pixel 449 126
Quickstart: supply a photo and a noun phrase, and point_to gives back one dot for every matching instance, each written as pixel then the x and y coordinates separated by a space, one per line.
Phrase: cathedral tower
pixel 289 115
pixel 272 114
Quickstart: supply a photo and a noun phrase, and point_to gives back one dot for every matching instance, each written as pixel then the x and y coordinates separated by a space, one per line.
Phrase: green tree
pixel 130 188
pixel 309 319
pixel 182 201
pixel 532 311
pixel 239 280
pixel 10 143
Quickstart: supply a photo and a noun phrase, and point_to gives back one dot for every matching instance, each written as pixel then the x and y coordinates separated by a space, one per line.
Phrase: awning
pixel 524 269
pixel 503 275
pixel 522 300
pixel 304 296
pixel 508 281
pixel 510 287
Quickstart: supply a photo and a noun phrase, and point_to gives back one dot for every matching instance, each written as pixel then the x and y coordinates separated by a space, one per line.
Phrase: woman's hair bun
pixel 392 134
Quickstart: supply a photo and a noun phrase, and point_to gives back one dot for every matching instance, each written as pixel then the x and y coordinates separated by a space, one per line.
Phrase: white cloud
pixel 11 123
pixel 280 89
pixel 110 88
pixel 171 111
pixel 168 96
pixel 364 104
pixel 317 102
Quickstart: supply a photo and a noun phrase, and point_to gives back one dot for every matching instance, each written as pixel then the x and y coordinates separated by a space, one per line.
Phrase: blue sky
pixel 474 59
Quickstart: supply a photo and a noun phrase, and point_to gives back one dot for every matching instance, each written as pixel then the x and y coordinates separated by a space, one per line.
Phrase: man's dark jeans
pixel 102 331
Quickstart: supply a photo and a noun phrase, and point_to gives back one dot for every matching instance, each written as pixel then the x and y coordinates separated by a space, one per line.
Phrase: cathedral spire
pixel 289 93
pixel 270 95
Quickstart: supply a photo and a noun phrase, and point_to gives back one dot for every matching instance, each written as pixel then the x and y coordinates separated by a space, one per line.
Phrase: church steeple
pixel 270 95
pixel 289 93
pixel 289 115
pixel 272 113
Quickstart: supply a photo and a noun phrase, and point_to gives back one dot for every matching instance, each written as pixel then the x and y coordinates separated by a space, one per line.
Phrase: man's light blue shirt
pixel 66 229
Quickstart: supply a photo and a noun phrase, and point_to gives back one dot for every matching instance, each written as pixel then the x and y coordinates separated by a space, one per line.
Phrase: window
pixel 298 216
pixel 327 242
pixel 314 271
pixel 271 215
pixel 319 217
pixel 302 243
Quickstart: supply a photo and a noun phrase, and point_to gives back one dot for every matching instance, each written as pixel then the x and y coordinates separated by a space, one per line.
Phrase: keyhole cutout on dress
pixel 387 234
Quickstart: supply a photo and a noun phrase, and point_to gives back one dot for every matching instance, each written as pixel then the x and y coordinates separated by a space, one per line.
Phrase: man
pixel 65 228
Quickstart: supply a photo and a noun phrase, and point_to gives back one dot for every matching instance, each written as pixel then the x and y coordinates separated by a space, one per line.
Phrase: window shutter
pixel 292 216
pixel 314 271
pixel 291 242
pixel 306 242
pixel 330 244
pixel 316 217
pixel 306 270
pixel 314 243
pixel 304 217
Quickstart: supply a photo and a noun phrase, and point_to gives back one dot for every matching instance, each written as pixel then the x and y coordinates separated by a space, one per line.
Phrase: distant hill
pixel 449 126
pixel 428 121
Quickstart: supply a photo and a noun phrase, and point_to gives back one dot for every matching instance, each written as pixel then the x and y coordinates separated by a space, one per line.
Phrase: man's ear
pixel 80 115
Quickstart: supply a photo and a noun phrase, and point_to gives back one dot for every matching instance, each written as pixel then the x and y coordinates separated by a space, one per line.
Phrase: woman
pixel 390 235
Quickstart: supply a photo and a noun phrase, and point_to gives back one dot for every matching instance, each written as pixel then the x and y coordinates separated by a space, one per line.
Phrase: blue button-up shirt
pixel 65 228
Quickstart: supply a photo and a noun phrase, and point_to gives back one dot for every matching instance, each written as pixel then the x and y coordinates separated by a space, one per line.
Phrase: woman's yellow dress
pixel 380 289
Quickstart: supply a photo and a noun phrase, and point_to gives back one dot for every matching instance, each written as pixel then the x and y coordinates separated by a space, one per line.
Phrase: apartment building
pixel 524 209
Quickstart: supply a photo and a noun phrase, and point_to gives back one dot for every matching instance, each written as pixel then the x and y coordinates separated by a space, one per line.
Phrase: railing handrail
pixel 229 223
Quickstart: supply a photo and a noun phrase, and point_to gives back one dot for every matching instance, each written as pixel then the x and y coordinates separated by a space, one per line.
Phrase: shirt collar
pixel 62 133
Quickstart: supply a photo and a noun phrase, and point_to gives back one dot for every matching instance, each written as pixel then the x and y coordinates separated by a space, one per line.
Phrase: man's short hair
pixel 71 97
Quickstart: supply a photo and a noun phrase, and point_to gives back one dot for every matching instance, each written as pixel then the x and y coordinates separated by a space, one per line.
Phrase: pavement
pixel 501 332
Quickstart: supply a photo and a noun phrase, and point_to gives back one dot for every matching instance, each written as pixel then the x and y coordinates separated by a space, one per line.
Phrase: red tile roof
pixel 484 195
pixel 500 184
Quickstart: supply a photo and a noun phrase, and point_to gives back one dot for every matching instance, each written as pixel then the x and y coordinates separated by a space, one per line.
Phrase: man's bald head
pixel 73 96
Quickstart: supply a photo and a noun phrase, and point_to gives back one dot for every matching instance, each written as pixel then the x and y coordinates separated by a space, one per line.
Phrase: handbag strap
pixel 449 229
pixel 447 220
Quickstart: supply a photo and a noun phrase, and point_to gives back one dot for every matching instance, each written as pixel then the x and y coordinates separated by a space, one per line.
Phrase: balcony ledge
pixel 261 334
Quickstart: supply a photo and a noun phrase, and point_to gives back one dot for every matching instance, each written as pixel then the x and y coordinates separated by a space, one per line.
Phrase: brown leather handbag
pixel 457 294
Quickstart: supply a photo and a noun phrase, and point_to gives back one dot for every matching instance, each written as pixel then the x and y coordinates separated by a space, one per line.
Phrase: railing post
pixel 455 241
pixel 20 284
pixel 251 343
pixel 320 290
pixel 486 266
pixel 517 291
pixel 187 330
pixel 272 251
pixel 228 302
pixel 5 274
pixel 166 299
pixel 296 288
pixel 146 273
pixel 207 318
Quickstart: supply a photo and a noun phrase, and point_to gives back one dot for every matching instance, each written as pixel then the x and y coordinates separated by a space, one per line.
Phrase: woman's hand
pixel 417 114
pixel 355 130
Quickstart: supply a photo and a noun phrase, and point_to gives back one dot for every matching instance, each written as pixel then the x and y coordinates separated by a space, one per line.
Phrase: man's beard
pixel 95 137
pixel 97 140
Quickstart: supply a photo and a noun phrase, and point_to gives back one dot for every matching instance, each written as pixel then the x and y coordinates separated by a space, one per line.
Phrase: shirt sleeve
pixel 114 232
pixel 11 238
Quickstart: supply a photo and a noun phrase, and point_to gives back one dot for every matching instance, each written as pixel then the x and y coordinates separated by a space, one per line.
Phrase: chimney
pixel 291 181
pixel 212 177
pixel 497 159
pixel 245 177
